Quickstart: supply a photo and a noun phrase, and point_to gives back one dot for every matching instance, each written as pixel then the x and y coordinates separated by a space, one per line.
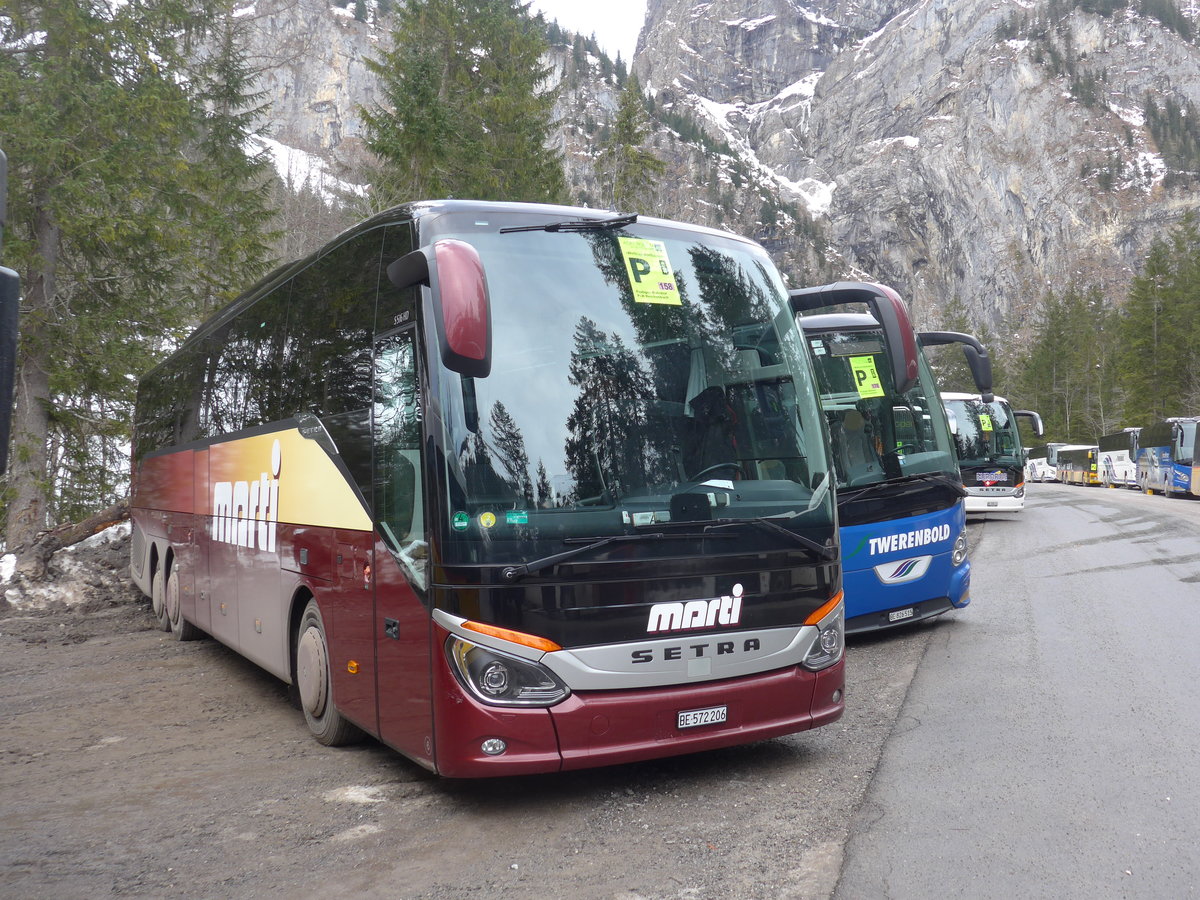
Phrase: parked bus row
pixel 522 488
pixel 1160 458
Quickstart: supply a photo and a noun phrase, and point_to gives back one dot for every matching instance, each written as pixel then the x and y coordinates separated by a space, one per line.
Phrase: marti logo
pixel 694 614
pixel 246 513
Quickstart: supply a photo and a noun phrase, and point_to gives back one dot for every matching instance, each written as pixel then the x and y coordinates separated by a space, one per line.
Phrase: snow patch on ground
pixel 92 573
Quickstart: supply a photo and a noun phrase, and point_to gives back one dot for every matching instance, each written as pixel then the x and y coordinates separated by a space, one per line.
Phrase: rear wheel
pixel 181 628
pixel 158 599
pixel 314 684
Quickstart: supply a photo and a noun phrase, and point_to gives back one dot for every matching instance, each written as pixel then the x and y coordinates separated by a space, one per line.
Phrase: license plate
pixel 714 715
pixel 901 614
pixel 993 503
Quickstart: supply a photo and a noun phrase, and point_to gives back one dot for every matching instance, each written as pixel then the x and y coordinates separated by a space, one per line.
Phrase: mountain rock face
pixel 980 150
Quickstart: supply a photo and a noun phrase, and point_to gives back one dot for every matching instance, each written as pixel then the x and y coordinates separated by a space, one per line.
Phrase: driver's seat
pixel 711 432
pixel 860 462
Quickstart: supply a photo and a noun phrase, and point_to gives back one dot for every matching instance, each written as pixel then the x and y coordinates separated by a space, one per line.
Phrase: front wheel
pixel 314 684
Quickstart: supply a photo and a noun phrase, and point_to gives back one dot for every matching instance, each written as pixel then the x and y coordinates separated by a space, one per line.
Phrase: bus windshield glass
pixel 644 379
pixel 1187 443
pixel 985 433
pixel 876 433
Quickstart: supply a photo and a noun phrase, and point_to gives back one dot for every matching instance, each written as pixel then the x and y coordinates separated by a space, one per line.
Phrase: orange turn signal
pixel 516 637
pixel 825 610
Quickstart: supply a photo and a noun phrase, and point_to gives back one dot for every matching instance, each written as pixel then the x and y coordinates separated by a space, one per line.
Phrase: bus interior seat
pixel 860 463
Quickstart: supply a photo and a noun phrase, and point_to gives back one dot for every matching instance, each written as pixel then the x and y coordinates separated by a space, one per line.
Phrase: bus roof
pixel 407 212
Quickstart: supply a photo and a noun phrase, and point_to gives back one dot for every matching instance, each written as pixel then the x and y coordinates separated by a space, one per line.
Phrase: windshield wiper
pixel 908 481
pixel 822 550
pixel 577 225
pixel 514 573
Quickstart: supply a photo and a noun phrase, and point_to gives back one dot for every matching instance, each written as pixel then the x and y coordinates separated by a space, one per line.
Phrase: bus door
pixel 402 623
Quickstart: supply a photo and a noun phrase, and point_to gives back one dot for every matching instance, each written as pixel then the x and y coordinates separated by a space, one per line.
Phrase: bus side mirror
pixel 1033 417
pixel 889 311
pixel 892 314
pixel 454 273
pixel 976 354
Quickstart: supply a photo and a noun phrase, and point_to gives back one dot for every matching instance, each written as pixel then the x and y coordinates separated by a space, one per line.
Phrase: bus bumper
pixel 877 620
pixel 994 503
pixel 601 728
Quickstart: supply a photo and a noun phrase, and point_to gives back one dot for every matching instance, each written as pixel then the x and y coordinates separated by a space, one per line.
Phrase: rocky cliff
pixel 986 150
pixel 980 150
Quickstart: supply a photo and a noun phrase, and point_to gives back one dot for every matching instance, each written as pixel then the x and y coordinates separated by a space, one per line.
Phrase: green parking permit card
pixel 866 376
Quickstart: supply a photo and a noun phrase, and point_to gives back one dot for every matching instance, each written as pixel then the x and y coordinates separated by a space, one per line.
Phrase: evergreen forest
pixel 1092 364
pixel 138 206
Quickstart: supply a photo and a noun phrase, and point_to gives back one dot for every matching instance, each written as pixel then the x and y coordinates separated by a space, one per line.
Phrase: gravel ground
pixel 133 765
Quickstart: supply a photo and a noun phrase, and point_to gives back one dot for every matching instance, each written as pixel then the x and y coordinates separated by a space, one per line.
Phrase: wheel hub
pixel 311 671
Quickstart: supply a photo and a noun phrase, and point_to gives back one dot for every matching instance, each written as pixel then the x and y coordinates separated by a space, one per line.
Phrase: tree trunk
pixel 34 560
pixel 28 477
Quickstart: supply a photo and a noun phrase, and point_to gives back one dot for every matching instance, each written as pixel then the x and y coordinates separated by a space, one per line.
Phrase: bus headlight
pixel 503 680
pixel 960 550
pixel 831 641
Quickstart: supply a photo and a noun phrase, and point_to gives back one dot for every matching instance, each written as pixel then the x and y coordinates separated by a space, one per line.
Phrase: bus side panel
pixel 403 634
pixel 349 608
pixel 223 598
pixel 1181 478
pixel 200 613
pixel 165 482
pixel 262 611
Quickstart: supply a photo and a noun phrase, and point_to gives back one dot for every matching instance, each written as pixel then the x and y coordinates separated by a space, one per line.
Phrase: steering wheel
pixel 717 468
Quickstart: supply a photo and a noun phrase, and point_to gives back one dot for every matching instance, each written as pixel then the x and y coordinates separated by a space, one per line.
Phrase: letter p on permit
pixel 638 268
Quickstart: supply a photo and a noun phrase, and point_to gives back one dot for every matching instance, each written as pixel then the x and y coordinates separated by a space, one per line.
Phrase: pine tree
pixel 462 113
pixel 1159 361
pixel 509 445
pixel 629 172
pixel 132 207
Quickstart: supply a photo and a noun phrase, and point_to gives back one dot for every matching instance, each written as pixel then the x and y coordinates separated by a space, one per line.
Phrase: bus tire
pixel 314 684
pixel 181 629
pixel 158 598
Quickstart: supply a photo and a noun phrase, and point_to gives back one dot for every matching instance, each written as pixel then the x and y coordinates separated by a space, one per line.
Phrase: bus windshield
pixel 877 434
pixel 634 401
pixel 1187 443
pixel 985 433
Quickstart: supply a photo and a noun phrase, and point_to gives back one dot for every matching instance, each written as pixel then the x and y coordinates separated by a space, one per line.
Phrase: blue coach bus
pixel 1166 457
pixel 900 506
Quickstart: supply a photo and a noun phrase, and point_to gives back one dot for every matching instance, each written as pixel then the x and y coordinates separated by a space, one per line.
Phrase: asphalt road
pixel 1047 746
pixel 1041 743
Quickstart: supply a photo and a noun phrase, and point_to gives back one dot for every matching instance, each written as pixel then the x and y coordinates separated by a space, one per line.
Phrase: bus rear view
pixel 512 488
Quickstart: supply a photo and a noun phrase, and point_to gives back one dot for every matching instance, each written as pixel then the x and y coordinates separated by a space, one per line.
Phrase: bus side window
pixel 396 308
pixel 397 414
